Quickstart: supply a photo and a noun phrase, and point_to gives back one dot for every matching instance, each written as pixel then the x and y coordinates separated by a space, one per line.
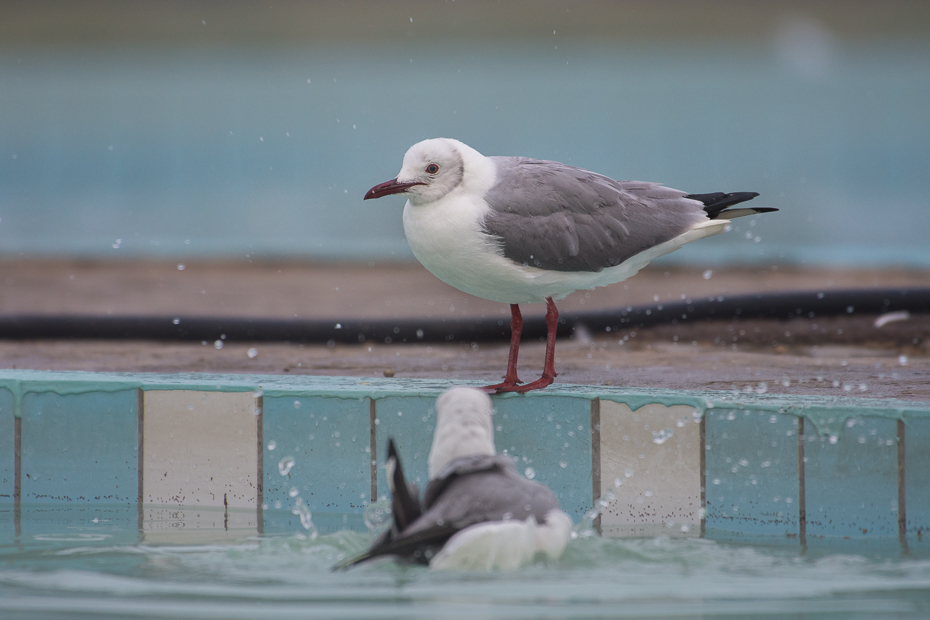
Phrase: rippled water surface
pixel 109 570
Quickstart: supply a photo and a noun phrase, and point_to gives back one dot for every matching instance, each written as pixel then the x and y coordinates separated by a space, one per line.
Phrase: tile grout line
pixel 140 411
pixel 702 471
pixel 596 460
pixel 802 491
pixel 260 463
pixel 902 507
pixel 373 441
pixel 17 474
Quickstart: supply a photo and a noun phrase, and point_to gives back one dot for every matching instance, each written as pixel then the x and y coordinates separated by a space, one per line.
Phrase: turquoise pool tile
pixel 7 525
pixel 7 457
pixel 917 479
pixel 328 440
pixel 851 480
pixel 410 420
pixel 80 447
pixel 551 439
pixel 751 473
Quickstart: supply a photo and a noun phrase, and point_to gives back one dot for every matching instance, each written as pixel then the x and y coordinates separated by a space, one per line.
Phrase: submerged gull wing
pixel 561 218
pixel 475 490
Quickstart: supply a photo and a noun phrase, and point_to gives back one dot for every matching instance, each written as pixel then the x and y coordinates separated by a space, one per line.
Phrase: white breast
pixel 447 237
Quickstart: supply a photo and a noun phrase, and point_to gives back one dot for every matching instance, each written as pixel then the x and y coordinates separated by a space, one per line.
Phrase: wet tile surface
pixel 80 447
pixel 650 464
pixel 751 465
pixel 200 448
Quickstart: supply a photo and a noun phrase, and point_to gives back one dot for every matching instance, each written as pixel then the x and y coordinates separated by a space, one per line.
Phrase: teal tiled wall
pixel 550 438
pixel 851 480
pixel 328 440
pixel 751 471
pixel 7 455
pixel 80 447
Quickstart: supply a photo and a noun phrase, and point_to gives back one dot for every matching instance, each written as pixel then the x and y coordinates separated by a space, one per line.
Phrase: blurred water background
pixel 241 129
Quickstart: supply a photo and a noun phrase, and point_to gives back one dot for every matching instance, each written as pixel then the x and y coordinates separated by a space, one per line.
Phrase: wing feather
pixel 558 217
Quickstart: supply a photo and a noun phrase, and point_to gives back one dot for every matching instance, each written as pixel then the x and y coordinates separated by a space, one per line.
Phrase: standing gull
pixel 520 230
pixel 477 511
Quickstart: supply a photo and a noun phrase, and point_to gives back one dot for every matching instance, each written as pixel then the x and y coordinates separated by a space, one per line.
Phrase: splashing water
pixel 285 464
pixel 660 437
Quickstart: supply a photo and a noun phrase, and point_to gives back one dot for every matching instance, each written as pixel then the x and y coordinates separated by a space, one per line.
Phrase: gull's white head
pixel 432 169
pixel 463 427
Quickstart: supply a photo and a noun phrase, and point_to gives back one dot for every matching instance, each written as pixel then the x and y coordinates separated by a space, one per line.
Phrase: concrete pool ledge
pixel 725 465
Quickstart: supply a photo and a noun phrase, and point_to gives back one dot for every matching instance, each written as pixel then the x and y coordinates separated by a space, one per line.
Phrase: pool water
pixel 79 568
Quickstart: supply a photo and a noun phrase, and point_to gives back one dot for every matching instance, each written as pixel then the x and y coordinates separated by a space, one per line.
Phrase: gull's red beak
pixel 389 187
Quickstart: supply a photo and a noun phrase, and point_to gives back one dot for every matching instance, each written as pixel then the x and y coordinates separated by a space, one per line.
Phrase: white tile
pixel 200 448
pixel 660 474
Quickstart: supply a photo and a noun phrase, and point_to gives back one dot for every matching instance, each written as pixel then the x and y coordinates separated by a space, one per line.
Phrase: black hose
pixel 772 306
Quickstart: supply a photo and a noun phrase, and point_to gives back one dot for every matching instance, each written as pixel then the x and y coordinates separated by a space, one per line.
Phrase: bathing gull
pixel 477 511
pixel 519 230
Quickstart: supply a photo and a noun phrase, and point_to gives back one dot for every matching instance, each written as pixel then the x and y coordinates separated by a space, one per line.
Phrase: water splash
pixel 660 437
pixel 285 464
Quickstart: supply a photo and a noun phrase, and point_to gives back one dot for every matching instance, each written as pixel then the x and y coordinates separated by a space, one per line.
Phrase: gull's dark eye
pixel 432 168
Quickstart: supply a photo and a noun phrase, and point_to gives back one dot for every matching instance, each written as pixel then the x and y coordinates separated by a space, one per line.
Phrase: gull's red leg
pixel 516 329
pixel 548 376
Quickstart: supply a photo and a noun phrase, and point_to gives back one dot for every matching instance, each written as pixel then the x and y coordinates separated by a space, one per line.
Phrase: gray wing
pixel 558 217
pixel 490 495
pixel 469 490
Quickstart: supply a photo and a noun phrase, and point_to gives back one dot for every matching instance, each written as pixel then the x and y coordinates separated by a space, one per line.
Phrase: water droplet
pixel 628 473
pixel 708 274
pixel 252 353
pixel 218 344
pixel 296 404
pixel 902 360
pixel 743 462
pixel 762 388
pixel 117 243
pixel 293 492
pixel 304 513
pixel 716 481
pixel 272 444
pixel 834 439
pixel 376 515
pixel 766 463
pixel 647 493
pixel 285 465
pixel 181 267
pixel 660 437
pixel 530 473
pixel 563 464
pixel 176 321
pixel 785 381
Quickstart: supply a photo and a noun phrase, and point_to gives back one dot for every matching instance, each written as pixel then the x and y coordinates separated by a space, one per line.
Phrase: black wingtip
pixel 718 201
pixel 405 505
